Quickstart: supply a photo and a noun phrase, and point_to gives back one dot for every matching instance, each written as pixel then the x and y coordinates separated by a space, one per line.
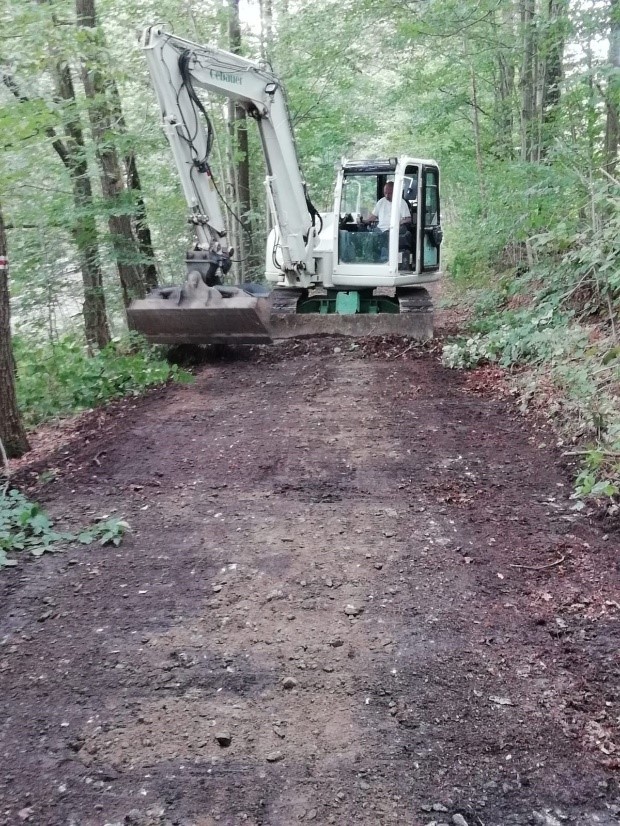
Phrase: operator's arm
pixel 373 217
pixel 405 215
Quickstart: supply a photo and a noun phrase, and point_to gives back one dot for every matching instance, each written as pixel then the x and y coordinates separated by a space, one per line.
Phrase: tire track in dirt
pixel 267 501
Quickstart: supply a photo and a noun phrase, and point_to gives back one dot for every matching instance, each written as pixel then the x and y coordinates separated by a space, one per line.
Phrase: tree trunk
pixel 12 433
pixel 554 59
pixel 126 251
pixel 505 104
pixel 591 116
pixel 266 28
pixel 143 231
pixel 241 159
pixel 612 129
pixel 84 229
pixel 477 140
pixel 507 63
pixel 528 91
pixel 552 73
pixel 234 230
pixel 503 28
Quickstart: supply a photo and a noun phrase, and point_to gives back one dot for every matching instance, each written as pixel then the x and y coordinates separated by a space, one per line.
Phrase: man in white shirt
pixel 382 213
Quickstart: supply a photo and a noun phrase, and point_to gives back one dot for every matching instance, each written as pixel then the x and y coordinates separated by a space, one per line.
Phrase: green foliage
pixel 108 532
pixel 24 526
pixel 59 379
pixel 531 336
pixel 599 477
pixel 565 330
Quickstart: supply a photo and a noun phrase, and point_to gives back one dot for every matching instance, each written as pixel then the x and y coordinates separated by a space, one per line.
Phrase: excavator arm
pixel 177 67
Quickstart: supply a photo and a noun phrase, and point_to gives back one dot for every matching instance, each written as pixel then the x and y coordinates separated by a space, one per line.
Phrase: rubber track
pixel 284 300
pixel 414 300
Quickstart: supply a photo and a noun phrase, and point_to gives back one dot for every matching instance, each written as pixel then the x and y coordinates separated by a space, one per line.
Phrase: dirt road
pixel 355 593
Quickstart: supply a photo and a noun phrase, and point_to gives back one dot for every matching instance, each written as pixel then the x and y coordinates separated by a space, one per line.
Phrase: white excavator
pixel 330 273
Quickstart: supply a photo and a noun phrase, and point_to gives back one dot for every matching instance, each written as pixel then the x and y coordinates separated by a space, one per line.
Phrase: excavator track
pixel 414 300
pixel 284 300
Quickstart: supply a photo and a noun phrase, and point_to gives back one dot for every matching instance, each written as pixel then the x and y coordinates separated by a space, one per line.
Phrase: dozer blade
pixel 197 314
pixel 414 319
pixel 411 325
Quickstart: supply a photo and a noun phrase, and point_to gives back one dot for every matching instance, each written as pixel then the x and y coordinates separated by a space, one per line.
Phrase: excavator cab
pixel 382 232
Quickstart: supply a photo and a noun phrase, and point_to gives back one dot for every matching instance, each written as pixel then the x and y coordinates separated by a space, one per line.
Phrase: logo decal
pixel 226 77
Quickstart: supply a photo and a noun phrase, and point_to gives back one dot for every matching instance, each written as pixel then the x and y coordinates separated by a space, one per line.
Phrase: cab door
pixel 430 223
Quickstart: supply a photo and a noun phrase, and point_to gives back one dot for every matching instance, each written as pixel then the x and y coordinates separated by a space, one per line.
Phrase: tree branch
pixel 60 148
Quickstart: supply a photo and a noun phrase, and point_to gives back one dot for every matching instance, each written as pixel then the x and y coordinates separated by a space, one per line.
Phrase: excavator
pixel 330 273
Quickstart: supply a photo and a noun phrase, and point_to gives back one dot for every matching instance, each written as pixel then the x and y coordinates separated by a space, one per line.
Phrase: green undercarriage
pixel 352 302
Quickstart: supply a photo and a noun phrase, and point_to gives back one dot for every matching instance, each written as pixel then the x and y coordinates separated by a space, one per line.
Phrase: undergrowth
pixel 59 379
pixel 573 376
pixel 552 320
pixel 24 526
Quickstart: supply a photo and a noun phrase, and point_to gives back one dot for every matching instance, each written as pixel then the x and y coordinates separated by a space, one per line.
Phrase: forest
pixel 339 580
pixel 517 100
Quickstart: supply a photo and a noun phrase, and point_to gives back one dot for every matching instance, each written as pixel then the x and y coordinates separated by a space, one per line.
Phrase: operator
pixel 381 215
pixel 382 212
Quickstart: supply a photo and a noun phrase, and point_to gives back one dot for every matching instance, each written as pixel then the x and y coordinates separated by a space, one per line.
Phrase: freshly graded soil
pixel 356 592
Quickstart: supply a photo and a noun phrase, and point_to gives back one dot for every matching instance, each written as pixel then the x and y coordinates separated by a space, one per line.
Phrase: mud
pixel 360 570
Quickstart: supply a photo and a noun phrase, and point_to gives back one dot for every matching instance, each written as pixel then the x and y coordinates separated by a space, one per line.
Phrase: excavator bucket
pixel 197 314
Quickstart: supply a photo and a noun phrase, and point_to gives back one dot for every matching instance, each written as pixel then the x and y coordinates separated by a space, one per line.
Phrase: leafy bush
pixel 594 479
pixel 59 379
pixel 529 336
pixel 470 352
